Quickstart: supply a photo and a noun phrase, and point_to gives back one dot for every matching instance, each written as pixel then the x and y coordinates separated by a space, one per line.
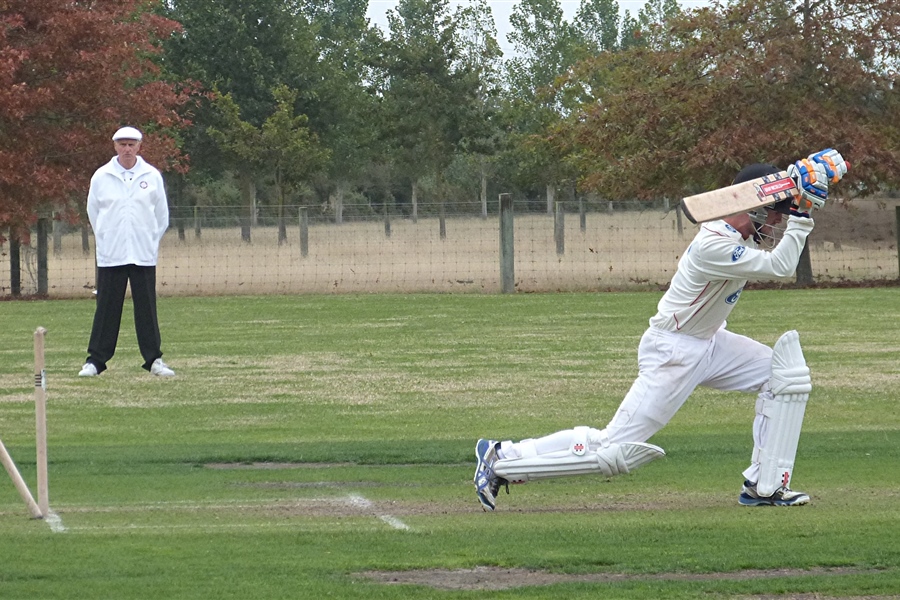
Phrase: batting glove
pixel 811 180
pixel 835 165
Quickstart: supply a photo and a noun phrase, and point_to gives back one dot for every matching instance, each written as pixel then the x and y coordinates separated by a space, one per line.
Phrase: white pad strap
pixel 580 459
pixel 790 385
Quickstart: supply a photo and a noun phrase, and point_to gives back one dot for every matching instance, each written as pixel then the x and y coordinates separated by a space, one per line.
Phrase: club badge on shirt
pixel 143 185
pixel 738 252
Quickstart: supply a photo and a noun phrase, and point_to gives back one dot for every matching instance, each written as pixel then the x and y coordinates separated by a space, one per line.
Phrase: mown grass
pixel 310 439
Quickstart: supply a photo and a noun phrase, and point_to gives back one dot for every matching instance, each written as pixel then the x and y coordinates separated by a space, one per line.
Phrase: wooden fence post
pixel 507 249
pixel 304 231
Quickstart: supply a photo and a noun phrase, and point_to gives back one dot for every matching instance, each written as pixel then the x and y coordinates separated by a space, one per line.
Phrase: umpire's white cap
pixel 128 133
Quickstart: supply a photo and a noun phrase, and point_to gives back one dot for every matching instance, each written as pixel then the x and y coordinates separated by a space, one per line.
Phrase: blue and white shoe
pixel 782 497
pixel 487 484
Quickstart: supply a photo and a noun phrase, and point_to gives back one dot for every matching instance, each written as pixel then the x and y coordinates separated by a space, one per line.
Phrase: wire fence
pixel 603 246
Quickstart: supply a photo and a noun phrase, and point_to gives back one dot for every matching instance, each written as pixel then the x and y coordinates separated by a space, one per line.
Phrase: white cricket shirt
pixel 713 271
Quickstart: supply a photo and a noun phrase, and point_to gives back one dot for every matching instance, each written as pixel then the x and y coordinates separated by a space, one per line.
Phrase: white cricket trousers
pixel 670 367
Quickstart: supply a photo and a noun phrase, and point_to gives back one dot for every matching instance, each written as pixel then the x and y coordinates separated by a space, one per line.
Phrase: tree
pixel 240 144
pixel 71 73
pixel 427 90
pixel 243 48
pixel 290 149
pixel 547 47
pixel 67 81
pixel 343 115
pixel 597 23
pixel 480 54
pixel 753 81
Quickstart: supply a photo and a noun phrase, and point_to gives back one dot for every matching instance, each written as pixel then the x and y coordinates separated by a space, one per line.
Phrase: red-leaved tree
pixel 750 81
pixel 71 73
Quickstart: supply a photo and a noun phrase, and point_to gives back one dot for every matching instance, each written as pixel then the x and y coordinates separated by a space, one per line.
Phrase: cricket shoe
pixel 782 497
pixel 161 369
pixel 88 370
pixel 487 484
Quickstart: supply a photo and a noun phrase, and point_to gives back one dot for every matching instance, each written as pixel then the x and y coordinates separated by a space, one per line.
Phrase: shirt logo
pixel 730 228
pixel 143 185
pixel 738 252
pixel 734 297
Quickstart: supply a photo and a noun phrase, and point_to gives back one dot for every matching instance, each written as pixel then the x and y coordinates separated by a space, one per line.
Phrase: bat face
pixel 738 198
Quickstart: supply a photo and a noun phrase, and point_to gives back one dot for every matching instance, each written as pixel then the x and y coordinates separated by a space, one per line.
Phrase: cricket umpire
pixel 129 214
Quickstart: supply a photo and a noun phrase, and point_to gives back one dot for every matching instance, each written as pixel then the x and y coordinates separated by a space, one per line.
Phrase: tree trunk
pixel 804 267
pixel 551 198
pixel 85 234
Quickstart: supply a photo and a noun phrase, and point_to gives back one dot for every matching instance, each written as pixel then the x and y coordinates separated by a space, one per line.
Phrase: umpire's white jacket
pixel 129 213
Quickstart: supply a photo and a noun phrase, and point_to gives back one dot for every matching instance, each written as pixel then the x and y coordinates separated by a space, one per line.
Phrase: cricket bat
pixel 738 198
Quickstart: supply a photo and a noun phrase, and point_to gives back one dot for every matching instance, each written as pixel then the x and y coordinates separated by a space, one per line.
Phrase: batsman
pixel 687 345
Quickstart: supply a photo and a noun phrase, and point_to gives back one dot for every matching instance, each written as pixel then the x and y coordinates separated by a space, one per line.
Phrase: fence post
pixel 43 242
pixel 442 218
pixel 559 228
pixel 15 264
pixel 197 222
pixel 57 235
pixel 304 231
pixel 582 215
pixel 678 212
pixel 507 250
pixel 897 229
pixel 387 220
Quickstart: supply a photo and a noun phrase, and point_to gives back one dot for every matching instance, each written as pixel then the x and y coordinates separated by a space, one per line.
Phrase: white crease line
pixel 360 502
pixel 56 525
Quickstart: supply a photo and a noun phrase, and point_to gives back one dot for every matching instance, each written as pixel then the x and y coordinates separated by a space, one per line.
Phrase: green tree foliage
pixel 290 149
pixel 597 23
pixel 245 49
pixel 345 103
pixel 284 145
pixel 242 47
pixel 546 48
pixel 428 90
pixel 480 55
pixel 482 137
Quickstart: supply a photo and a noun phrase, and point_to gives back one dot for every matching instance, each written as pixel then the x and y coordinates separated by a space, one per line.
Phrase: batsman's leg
pixel 586 451
pixel 780 412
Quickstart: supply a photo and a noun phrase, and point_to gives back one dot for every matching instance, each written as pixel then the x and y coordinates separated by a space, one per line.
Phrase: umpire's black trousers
pixel 111 284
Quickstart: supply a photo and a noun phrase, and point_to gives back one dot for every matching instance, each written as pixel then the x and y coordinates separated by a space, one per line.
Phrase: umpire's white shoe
pixel 487 484
pixel 161 369
pixel 88 370
pixel 782 497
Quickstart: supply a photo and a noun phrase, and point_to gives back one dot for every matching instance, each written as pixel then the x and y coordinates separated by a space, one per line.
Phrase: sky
pixel 503 8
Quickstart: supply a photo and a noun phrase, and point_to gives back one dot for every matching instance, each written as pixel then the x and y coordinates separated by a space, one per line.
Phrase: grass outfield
pixel 322 447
